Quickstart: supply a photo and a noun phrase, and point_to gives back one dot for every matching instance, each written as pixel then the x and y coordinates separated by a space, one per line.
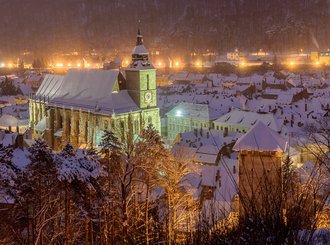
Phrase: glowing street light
pixel 3 64
pixel 317 63
pixel 59 65
pixel 177 63
pixel 78 65
pixel 160 63
pixel 198 64
pixel 291 63
pixel 69 65
pixel 242 64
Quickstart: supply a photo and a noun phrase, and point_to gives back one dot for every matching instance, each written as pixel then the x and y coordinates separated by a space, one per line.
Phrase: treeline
pixel 133 191
pixel 130 192
pixel 45 26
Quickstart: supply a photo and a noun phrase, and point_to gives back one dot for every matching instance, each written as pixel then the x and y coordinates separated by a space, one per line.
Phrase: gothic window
pixel 122 126
pixel 96 121
pixel 112 124
pixel 136 126
pixel 106 124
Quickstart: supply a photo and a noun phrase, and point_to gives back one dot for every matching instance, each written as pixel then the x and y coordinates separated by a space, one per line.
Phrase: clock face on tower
pixel 147 97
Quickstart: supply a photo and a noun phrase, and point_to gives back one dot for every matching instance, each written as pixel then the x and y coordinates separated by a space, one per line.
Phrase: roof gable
pixel 261 138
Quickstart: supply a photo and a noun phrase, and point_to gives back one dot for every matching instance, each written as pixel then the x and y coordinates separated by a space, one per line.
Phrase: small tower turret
pixel 140 55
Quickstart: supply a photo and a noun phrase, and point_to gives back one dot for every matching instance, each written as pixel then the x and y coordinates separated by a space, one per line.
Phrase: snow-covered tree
pixel 178 192
pixel 8 172
pixel 78 171
pixel 39 195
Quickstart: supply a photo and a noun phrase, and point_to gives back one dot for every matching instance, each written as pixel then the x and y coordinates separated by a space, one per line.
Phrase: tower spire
pixel 139 37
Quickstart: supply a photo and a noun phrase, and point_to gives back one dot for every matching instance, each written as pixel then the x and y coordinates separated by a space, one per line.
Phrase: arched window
pixel 106 124
pixel 136 126
pixel 96 121
pixel 147 81
pixel 122 126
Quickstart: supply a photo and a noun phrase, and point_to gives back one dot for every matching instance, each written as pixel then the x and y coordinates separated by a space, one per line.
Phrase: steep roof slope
pixel 261 138
pixel 87 90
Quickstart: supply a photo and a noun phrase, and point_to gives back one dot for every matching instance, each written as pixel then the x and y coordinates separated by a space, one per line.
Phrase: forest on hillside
pixel 47 25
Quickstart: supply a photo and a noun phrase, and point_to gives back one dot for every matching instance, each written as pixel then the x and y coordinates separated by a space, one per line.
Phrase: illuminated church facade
pixel 77 107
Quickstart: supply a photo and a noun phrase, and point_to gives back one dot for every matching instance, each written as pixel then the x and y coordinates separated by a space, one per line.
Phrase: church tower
pixel 141 76
pixel 141 83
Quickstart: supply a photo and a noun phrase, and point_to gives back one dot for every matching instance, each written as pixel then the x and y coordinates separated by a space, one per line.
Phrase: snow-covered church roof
pixel 261 138
pixel 94 90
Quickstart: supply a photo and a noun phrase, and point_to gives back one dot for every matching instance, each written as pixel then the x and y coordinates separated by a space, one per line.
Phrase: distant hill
pixel 216 24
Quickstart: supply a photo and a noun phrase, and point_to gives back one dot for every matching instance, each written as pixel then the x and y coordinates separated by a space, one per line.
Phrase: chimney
pixel 225 133
pixel 20 141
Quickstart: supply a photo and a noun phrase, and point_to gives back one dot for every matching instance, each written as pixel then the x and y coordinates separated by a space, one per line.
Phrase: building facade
pixel 76 108
pixel 261 154
pixel 186 117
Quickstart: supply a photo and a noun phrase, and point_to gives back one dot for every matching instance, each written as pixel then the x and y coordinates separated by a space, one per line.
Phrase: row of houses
pixel 187 117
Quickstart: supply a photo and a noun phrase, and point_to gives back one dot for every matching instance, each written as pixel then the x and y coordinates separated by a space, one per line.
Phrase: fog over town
pixel 165 122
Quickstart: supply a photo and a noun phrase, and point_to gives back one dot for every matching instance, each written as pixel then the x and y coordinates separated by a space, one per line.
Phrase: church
pixel 77 107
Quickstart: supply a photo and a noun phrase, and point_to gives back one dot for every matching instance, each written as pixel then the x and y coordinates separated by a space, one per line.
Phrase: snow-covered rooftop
pixel 261 138
pixel 93 90
pixel 200 111
pixel 140 49
pixel 248 119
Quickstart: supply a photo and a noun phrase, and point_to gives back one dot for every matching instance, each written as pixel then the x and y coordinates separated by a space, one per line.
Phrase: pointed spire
pixel 139 37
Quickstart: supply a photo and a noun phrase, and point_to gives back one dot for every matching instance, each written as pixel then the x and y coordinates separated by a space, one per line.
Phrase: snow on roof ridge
pixel 261 138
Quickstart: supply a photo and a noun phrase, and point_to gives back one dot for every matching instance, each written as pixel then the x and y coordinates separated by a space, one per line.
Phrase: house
pixel 242 121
